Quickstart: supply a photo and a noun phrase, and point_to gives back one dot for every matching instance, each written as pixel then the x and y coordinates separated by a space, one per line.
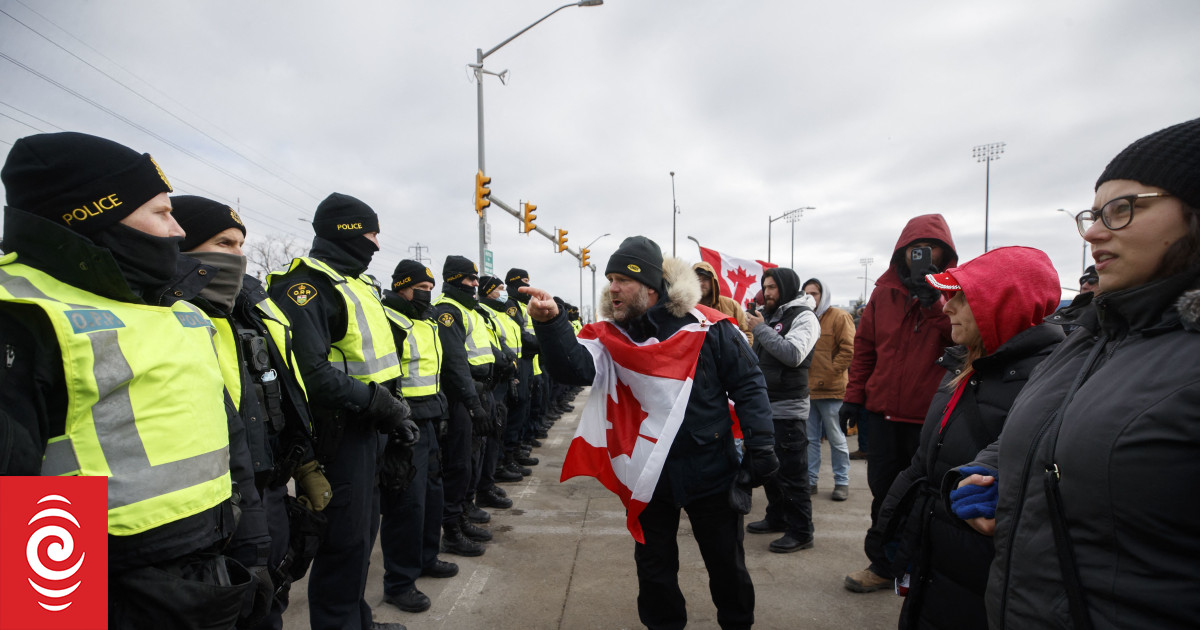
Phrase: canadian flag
pixel 740 278
pixel 638 401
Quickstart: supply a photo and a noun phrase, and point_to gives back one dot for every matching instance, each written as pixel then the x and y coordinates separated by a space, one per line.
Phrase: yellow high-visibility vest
pixel 367 351
pixel 145 400
pixel 510 331
pixel 421 356
pixel 478 342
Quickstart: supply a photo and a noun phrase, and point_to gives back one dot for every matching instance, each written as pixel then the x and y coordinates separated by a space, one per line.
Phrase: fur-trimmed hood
pixel 683 289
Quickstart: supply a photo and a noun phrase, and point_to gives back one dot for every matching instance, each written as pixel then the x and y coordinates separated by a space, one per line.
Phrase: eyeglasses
pixel 1115 214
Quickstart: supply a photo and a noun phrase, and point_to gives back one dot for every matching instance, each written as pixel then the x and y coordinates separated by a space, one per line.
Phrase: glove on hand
pixel 974 501
pixel 926 295
pixel 762 463
pixel 395 467
pixel 500 418
pixel 385 412
pixel 480 420
pixel 848 415
pixel 407 433
pixel 314 487
pixel 264 593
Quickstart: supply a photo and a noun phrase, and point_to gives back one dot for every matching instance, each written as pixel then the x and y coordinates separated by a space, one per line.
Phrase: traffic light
pixel 583 257
pixel 528 218
pixel 482 192
pixel 562 241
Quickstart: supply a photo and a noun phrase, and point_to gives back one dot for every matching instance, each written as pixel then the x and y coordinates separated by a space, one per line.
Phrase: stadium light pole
pixel 770 221
pixel 1083 260
pixel 866 263
pixel 795 217
pixel 987 153
pixel 479 72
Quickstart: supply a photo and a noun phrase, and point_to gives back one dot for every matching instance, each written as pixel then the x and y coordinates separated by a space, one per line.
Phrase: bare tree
pixel 268 253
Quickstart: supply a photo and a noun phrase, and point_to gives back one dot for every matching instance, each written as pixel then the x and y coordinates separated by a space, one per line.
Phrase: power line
pixel 14 107
pixel 22 122
pixel 148 100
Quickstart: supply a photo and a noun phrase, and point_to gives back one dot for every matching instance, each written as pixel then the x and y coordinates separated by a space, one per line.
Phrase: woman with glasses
pixel 1097 470
pixel 996 304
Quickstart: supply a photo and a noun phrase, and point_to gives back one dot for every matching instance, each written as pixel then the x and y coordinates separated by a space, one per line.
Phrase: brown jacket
pixel 725 304
pixel 827 377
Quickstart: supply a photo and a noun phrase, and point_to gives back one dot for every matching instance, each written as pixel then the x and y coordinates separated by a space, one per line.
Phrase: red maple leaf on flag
pixel 625 415
pixel 741 281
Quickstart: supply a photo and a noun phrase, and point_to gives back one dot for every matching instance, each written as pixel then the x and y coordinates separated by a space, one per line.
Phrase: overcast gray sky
pixel 867 110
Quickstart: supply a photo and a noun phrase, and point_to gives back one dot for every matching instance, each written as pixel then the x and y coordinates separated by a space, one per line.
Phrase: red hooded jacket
pixel 896 347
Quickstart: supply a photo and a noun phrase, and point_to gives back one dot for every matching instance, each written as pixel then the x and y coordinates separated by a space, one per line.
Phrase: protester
pixel 827 386
pixel 1094 473
pixel 711 296
pixel 646 297
pixel 996 307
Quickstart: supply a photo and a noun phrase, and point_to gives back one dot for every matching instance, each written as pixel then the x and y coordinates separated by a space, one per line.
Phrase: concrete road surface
pixel 562 559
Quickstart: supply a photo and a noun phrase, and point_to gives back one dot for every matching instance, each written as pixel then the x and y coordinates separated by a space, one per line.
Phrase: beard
pixel 633 306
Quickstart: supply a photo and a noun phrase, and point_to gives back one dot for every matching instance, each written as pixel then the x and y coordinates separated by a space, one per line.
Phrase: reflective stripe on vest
pixel 537 364
pixel 510 331
pixel 478 342
pixel 279 327
pixel 154 422
pixel 421 357
pixel 367 351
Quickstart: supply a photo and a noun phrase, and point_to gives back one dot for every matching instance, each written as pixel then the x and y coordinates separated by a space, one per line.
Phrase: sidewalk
pixel 562 559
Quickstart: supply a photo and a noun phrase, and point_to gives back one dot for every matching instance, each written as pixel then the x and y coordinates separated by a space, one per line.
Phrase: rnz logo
pixel 54 552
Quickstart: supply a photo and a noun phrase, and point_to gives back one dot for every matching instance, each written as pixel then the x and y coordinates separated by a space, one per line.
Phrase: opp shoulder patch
pixel 301 293
pixel 446 319
pixel 512 311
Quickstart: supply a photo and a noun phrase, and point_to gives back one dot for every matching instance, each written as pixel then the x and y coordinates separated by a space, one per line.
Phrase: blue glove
pixel 973 501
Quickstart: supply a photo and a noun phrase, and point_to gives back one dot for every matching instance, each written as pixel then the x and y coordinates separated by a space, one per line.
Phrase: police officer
pixel 90 245
pixel 466 370
pixel 255 349
pixel 347 357
pixel 411 477
pixel 504 391
pixel 521 415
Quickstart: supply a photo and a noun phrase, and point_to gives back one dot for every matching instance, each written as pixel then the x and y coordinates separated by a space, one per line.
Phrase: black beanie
pixel 83 182
pixel 409 272
pixel 487 284
pixel 458 267
pixel 641 259
pixel 202 219
pixel 1168 159
pixel 342 217
pixel 516 278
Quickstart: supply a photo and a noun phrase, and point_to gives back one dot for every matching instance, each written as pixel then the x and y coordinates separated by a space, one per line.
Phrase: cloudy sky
pixel 866 110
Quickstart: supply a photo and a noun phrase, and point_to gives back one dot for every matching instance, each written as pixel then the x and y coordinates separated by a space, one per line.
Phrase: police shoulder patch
pixel 512 311
pixel 302 293
pixel 446 319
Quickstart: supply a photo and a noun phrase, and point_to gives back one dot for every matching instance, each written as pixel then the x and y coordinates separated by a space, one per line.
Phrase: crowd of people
pixel 1028 465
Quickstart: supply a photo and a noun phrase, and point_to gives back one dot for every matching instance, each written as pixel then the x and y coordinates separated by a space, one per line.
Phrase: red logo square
pixel 54 552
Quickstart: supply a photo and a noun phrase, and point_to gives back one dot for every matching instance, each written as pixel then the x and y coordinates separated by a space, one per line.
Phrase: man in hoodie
pixel 894 373
pixel 827 387
pixel 347 357
pixel 710 296
pixel 784 337
pixel 646 297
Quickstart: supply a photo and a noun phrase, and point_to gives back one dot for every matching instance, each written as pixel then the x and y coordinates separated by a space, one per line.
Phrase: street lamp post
pixel 987 153
pixel 866 263
pixel 674 213
pixel 479 72
pixel 1083 259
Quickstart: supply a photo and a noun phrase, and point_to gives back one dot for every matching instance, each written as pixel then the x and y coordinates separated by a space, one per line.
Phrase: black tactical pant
pixel 456 462
pixel 410 525
pixel 788 501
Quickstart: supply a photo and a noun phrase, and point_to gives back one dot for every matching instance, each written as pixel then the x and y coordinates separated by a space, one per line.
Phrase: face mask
pixel 222 290
pixel 422 299
pixel 503 297
pixel 147 262
pixel 360 248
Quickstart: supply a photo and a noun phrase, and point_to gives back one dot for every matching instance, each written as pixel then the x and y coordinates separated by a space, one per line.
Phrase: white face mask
pixel 503 297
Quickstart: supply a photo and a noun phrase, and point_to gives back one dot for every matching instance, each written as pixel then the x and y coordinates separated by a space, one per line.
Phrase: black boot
pixel 522 458
pixel 490 499
pixel 473 531
pixel 453 541
pixel 476 515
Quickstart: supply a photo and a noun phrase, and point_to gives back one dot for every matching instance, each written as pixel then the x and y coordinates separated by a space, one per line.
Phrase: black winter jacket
pixel 702 460
pixel 1117 409
pixel 948 561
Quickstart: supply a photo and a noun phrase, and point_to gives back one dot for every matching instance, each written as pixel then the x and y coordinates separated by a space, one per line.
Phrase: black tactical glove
pixel 926 295
pixel 501 418
pixel 480 420
pixel 407 433
pixel 264 593
pixel 395 468
pixel 848 415
pixel 385 412
pixel 762 463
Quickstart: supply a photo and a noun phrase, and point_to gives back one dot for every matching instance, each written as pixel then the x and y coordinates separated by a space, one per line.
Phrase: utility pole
pixel 866 263
pixel 418 254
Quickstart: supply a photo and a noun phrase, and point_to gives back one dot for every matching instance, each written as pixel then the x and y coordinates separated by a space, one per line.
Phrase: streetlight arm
pixel 522 31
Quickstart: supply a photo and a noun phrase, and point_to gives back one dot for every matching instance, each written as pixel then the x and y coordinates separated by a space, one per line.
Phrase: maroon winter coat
pixel 895 372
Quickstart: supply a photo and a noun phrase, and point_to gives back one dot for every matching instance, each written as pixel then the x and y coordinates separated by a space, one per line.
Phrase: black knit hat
pixel 202 219
pixel 458 267
pixel 641 259
pixel 1168 158
pixel 516 278
pixel 409 272
pixel 83 182
pixel 342 216
pixel 487 284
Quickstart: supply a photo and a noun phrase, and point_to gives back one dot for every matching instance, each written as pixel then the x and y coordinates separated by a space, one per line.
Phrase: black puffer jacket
pixel 703 459
pixel 948 560
pixel 1128 457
